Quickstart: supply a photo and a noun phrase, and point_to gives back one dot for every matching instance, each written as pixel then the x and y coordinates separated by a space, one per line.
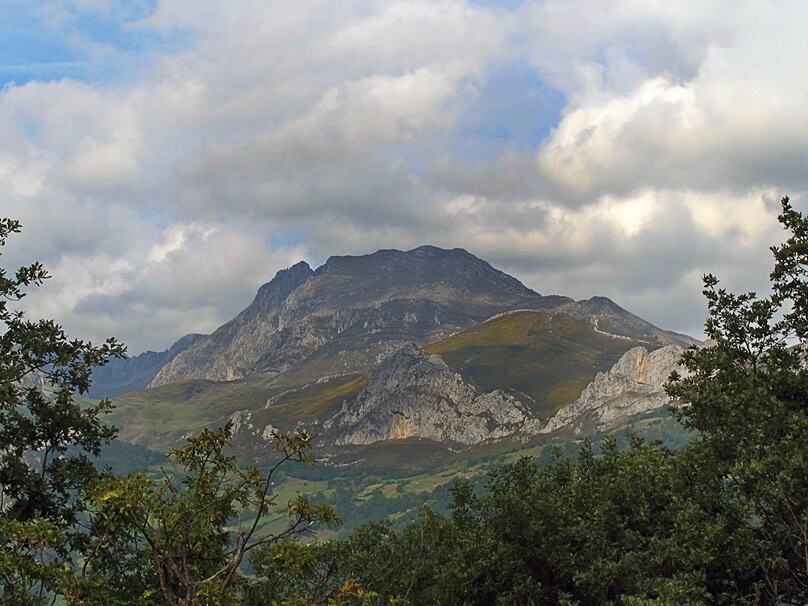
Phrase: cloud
pixel 725 122
pixel 621 152
pixel 193 276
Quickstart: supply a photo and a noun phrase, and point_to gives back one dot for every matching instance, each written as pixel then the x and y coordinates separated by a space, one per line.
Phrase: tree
pixel 747 397
pixel 181 539
pixel 374 565
pixel 45 436
pixel 614 526
pixel 601 528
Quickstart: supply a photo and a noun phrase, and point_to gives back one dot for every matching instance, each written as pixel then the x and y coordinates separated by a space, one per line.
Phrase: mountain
pixel 353 311
pixel 409 370
pixel 123 375
pixel 427 344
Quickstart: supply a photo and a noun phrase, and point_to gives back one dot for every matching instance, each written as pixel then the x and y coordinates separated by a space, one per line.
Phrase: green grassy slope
pixel 158 418
pixel 549 357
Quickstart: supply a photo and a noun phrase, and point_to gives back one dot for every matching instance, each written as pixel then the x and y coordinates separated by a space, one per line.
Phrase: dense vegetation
pixel 722 520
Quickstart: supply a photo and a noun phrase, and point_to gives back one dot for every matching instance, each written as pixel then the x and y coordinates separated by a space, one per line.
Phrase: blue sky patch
pixel 514 107
pixel 39 41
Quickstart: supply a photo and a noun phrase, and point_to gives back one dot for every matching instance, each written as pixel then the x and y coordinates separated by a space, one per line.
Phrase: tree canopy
pixel 45 437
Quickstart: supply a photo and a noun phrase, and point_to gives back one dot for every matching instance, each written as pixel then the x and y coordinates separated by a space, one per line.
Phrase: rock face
pixel 232 350
pixel 632 386
pixel 414 394
pixel 36 379
pixel 353 311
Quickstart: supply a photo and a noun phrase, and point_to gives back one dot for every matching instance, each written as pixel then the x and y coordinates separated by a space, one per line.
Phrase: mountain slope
pixel 337 351
pixel 232 349
pixel 547 356
pixel 123 375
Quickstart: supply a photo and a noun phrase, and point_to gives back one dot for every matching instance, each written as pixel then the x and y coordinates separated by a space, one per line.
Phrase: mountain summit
pixel 361 306
pixel 353 311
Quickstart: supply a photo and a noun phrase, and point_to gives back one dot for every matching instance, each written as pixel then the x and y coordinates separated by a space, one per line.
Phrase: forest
pixel 721 520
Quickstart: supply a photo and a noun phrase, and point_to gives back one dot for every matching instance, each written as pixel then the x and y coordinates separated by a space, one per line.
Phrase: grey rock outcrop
pixel 632 386
pixel 414 394
pixel 37 379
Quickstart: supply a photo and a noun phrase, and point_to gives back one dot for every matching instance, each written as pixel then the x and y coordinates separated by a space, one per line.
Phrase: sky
pixel 166 157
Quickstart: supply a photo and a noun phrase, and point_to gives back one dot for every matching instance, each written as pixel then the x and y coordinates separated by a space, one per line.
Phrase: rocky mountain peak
pixel 457 271
pixel 284 282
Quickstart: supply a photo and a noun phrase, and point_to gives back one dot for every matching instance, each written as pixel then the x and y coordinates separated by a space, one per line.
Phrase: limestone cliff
pixel 414 394
pixel 632 386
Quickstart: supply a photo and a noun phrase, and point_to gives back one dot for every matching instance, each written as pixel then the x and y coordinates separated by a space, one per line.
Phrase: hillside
pixel 515 370
pixel 548 357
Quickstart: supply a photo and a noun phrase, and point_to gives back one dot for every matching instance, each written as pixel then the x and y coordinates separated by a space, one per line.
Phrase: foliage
pixel 45 437
pixel 748 396
pixel 377 565
pixel 26 568
pixel 182 538
pixel 596 529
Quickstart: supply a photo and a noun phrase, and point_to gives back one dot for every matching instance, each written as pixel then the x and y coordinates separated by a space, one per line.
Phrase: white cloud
pixel 731 123
pixel 162 200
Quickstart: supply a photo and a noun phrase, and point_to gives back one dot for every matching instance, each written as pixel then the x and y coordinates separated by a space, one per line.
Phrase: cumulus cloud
pixel 731 121
pixel 621 150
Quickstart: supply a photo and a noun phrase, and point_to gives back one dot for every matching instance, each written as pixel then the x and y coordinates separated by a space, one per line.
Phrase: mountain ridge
pixel 300 310
pixel 123 375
